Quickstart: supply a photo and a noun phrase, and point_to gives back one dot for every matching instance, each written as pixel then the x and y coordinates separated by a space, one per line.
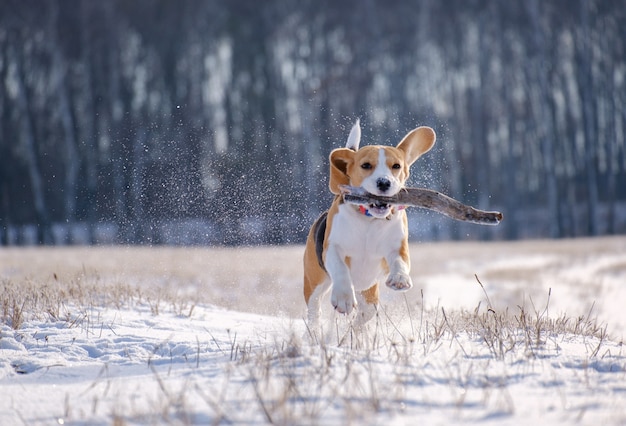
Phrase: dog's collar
pixel 364 211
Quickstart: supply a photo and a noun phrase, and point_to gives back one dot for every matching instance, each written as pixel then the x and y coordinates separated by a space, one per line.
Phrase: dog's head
pixel 380 170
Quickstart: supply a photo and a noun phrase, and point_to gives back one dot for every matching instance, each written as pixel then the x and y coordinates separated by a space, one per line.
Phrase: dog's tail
pixel 354 139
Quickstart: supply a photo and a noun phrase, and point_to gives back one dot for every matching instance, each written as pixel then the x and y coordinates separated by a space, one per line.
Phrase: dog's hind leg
pixel 368 305
pixel 314 305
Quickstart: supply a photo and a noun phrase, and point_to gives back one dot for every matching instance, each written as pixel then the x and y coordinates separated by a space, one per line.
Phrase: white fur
pixel 366 241
pixel 314 307
pixel 354 138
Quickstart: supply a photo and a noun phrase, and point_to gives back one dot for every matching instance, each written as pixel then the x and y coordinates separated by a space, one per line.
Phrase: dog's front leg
pixel 342 296
pixel 399 270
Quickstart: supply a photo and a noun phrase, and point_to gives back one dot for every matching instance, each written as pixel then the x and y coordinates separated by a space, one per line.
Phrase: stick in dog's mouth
pixel 425 198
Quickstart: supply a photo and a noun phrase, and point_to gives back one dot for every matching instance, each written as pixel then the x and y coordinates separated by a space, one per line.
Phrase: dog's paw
pixel 399 281
pixel 343 301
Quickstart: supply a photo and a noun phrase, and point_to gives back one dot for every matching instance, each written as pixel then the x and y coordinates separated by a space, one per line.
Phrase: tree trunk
pixel 44 234
pixel 5 151
pixel 59 81
pixel 544 123
pixel 116 116
pixel 585 84
pixel 90 117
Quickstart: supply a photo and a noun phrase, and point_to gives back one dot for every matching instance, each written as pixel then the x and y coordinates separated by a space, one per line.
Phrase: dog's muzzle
pixel 377 210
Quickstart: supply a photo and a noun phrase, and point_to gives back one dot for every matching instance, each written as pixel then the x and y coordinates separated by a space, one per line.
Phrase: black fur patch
pixel 319 229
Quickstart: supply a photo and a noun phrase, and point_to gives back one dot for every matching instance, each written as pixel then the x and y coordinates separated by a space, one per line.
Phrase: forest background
pixel 210 122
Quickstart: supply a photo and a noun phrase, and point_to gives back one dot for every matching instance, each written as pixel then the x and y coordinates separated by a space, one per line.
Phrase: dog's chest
pixel 366 241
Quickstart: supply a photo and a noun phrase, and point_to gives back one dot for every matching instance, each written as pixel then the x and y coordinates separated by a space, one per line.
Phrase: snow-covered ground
pixel 215 336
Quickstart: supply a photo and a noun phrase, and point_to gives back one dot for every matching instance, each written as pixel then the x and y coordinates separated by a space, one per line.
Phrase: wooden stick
pixel 425 198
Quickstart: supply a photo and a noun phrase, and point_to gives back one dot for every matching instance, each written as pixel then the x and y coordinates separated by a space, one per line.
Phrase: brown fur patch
pixel 371 295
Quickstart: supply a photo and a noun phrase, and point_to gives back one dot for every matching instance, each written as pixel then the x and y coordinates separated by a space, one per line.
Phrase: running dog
pixel 351 248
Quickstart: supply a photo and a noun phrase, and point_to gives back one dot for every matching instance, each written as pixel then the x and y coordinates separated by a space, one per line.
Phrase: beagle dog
pixel 352 249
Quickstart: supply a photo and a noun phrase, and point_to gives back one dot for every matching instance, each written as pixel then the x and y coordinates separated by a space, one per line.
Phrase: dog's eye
pixel 366 166
pixel 396 166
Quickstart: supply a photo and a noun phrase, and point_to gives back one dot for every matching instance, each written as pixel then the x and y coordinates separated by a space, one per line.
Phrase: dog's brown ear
pixel 340 160
pixel 416 143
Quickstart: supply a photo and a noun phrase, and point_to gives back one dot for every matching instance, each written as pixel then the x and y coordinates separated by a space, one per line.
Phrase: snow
pixel 437 355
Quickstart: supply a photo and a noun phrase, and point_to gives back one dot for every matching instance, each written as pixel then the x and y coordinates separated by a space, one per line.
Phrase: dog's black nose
pixel 383 184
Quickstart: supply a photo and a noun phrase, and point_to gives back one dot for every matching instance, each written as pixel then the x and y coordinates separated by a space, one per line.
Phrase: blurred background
pixel 210 122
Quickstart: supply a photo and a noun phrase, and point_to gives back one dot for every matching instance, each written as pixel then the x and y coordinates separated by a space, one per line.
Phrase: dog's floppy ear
pixel 416 143
pixel 340 160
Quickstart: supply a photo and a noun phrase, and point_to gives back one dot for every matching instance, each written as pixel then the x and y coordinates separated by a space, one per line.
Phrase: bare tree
pixel 59 76
pixel 28 133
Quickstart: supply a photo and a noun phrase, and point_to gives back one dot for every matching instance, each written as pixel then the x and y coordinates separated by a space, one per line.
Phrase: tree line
pixel 210 122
